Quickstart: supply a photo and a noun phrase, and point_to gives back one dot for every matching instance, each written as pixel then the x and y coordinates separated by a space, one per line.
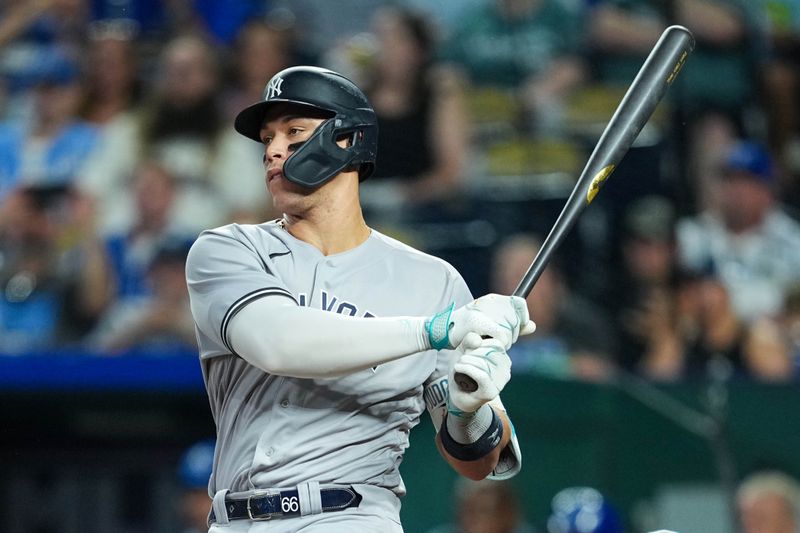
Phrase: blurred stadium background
pixel 117 148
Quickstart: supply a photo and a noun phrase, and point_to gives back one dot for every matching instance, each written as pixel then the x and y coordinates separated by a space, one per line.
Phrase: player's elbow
pixel 475 475
pixel 474 470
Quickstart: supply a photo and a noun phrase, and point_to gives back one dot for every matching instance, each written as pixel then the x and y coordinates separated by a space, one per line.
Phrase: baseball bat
pixel 634 110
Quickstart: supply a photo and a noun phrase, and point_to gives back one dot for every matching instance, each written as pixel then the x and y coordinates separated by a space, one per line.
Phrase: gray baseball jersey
pixel 276 431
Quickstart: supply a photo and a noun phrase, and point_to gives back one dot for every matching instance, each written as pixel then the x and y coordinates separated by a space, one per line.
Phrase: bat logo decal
pixel 597 182
pixel 677 68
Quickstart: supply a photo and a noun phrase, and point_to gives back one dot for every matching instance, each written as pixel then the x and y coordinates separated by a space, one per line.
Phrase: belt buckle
pixel 261 517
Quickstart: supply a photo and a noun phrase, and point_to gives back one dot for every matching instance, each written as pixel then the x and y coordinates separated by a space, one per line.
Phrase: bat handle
pixel 464 382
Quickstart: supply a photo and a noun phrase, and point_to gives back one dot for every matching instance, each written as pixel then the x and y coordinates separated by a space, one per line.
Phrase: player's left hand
pixel 489 365
pixel 504 318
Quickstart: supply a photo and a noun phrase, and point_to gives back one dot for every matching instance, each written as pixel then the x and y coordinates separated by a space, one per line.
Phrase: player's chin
pixel 280 186
pixel 288 198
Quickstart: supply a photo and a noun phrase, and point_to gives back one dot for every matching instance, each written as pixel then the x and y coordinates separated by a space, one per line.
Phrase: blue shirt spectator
pixel 50 146
pixel 54 163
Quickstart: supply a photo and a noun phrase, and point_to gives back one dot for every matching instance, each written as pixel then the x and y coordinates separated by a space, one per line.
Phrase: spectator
pixel 769 502
pixel 53 288
pixel 152 19
pixel 262 49
pixel 728 47
pixel 32 295
pixel 572 337
pixel 424 137
pixel 712 336
pixel 19 17
pixel 112 84
pixel 583 510
pixel 671 323
pixel 158 322
pixel 622 33
pixel 644 293
pixel 751 243
pixel 131 252
pixel 30 30
pixel 182 126
pixel 778 356
pixel 194 471
pixel 532 47
pixel 224 20
pixel 52 146
pixel 27 24
pixel 780 92
pixel 324 24
pixel 486 506
pixel 790 325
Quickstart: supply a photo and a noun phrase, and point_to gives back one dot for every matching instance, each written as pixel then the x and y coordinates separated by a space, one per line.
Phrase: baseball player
pixel 321 340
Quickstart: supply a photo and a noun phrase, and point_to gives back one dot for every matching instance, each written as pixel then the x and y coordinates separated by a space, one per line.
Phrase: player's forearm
pixel 287 340
pixel 479 468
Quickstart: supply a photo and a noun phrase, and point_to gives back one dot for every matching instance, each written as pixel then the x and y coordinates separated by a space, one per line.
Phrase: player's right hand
pixel 489 366
pixel 503 318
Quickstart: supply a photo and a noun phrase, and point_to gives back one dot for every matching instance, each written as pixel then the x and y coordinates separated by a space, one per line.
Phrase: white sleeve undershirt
pixel 282 338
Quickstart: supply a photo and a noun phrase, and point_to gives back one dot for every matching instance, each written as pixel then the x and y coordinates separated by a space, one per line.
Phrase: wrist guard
pixel 474 450
pixel 438 328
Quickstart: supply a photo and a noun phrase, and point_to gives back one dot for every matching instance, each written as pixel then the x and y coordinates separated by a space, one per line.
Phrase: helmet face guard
pixel 319 158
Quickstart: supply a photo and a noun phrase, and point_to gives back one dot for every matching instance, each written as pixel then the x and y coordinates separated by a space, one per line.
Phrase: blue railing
pixel 175 371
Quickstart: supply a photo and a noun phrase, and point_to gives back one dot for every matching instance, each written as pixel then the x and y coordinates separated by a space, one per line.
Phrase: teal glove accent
pixel 452 410
pixel 438 328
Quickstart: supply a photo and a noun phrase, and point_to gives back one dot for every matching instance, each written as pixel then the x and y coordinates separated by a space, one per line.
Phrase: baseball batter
pixel 322 340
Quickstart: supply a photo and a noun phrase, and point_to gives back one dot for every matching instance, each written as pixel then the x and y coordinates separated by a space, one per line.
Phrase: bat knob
pixel 465 383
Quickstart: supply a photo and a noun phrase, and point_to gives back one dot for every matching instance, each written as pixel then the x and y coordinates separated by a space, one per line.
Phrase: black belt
pixel 285 504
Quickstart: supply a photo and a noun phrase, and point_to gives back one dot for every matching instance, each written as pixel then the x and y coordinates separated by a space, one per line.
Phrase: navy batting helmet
pixel 350 114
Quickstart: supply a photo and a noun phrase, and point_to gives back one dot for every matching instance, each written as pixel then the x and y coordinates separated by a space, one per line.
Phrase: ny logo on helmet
pixel 274 87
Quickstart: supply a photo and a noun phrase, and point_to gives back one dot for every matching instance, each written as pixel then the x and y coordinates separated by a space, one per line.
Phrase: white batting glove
pixel 503 318
pixel 489 366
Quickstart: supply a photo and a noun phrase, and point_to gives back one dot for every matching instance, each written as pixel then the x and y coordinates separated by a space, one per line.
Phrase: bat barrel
pixel 654 78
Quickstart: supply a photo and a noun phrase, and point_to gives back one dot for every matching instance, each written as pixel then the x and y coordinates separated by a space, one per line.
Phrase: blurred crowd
pixel 117 149
pixel 766 500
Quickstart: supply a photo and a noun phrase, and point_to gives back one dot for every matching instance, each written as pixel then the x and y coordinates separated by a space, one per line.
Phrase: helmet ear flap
pixel 356 140
pixel 365 171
